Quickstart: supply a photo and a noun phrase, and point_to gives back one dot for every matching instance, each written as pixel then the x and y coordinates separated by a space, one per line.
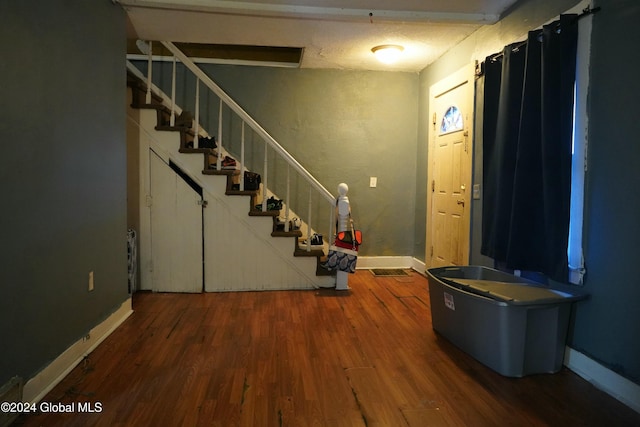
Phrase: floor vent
pixel 389 272
pixel 10 392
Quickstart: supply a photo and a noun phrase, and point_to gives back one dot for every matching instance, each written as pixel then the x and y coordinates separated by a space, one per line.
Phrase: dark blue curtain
pixel 528 124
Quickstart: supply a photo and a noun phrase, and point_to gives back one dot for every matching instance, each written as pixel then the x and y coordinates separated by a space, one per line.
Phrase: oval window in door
pixel 451 120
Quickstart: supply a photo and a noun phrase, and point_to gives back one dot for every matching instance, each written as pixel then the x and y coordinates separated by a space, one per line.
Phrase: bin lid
pixel 515 292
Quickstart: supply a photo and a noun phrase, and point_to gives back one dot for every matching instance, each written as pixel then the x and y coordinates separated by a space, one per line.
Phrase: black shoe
pixel 316 240
pixel 208 142
pixel 273 204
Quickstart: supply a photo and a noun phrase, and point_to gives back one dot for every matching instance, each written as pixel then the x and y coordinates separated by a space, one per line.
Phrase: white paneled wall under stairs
pixel 240 250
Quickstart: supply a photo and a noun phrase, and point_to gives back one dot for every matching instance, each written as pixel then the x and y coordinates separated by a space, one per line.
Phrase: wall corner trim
pixel 44 381
pixel 603 378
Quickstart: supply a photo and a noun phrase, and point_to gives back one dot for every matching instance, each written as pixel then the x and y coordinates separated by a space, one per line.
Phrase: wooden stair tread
pixel 291 233
pixel 256 212
pixel 195 150
pixel 152 106
pixel 172 128
pixel 313 252
pixel 241 193
pixel 227 172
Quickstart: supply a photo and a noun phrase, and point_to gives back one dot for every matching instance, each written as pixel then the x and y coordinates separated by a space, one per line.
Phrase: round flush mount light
pixel 387 53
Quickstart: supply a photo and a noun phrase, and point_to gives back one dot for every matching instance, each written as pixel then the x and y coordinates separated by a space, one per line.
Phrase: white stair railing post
pixel 264 178
pixel 172 121
pixel 287 199
pixel 196 144
pixel 219 161
pixel 309 221
pixel 242 158
pixel 149 71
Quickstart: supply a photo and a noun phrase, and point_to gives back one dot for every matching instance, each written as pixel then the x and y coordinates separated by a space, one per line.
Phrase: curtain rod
pixel 585 12
pixel 588 11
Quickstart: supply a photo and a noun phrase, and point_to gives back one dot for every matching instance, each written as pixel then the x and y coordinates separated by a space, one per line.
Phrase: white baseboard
pixel 365 262
pixel 418 265
pixel 603 378
pixel 41 384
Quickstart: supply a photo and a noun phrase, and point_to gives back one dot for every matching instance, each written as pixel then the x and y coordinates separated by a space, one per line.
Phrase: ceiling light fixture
pixel 387 53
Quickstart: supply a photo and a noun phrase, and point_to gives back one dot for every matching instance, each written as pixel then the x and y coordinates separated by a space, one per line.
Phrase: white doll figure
pixel 343 210
pixel 343 214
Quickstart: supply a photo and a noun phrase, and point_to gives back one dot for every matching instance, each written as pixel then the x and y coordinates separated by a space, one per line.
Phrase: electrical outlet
pixel 90 280
pixel 373 182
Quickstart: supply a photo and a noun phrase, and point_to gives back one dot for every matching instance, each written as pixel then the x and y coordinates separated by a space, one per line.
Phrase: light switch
pixel 476 191
pixel 373 182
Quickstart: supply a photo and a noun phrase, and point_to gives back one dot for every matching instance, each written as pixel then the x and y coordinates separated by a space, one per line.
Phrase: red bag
pixel 346 240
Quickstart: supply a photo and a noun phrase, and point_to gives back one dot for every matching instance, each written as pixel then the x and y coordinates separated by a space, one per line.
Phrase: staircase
pixel 247 248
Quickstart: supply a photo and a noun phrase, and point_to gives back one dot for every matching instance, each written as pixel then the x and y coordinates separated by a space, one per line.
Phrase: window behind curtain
pixel 579 159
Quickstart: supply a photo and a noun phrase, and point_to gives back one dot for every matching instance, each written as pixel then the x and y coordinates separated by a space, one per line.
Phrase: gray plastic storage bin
pixel 513 325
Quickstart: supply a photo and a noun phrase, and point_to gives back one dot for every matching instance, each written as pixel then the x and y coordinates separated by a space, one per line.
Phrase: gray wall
pixel 62 176
pixel 607 326
pixel 344 126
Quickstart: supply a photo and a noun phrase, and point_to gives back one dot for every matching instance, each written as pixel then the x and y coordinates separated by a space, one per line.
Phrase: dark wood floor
pixel 366 357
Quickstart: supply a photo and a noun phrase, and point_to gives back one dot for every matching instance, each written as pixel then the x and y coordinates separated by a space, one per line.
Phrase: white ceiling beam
pixel 309 12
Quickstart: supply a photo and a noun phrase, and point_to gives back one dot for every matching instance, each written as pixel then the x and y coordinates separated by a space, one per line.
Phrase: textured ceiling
pixel 330 34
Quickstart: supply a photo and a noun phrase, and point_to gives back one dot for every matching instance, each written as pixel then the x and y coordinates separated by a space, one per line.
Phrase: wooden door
pixel 176 231
pixel 450 162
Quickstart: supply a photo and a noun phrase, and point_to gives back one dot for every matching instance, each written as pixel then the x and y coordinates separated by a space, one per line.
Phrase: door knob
pixel 460 202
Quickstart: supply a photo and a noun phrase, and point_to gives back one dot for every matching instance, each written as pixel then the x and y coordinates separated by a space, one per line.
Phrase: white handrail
pixel 249 120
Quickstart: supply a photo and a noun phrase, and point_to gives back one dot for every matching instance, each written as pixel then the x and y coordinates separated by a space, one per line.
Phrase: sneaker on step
pixel 228 163
pixel 273 204
pixel 316 240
